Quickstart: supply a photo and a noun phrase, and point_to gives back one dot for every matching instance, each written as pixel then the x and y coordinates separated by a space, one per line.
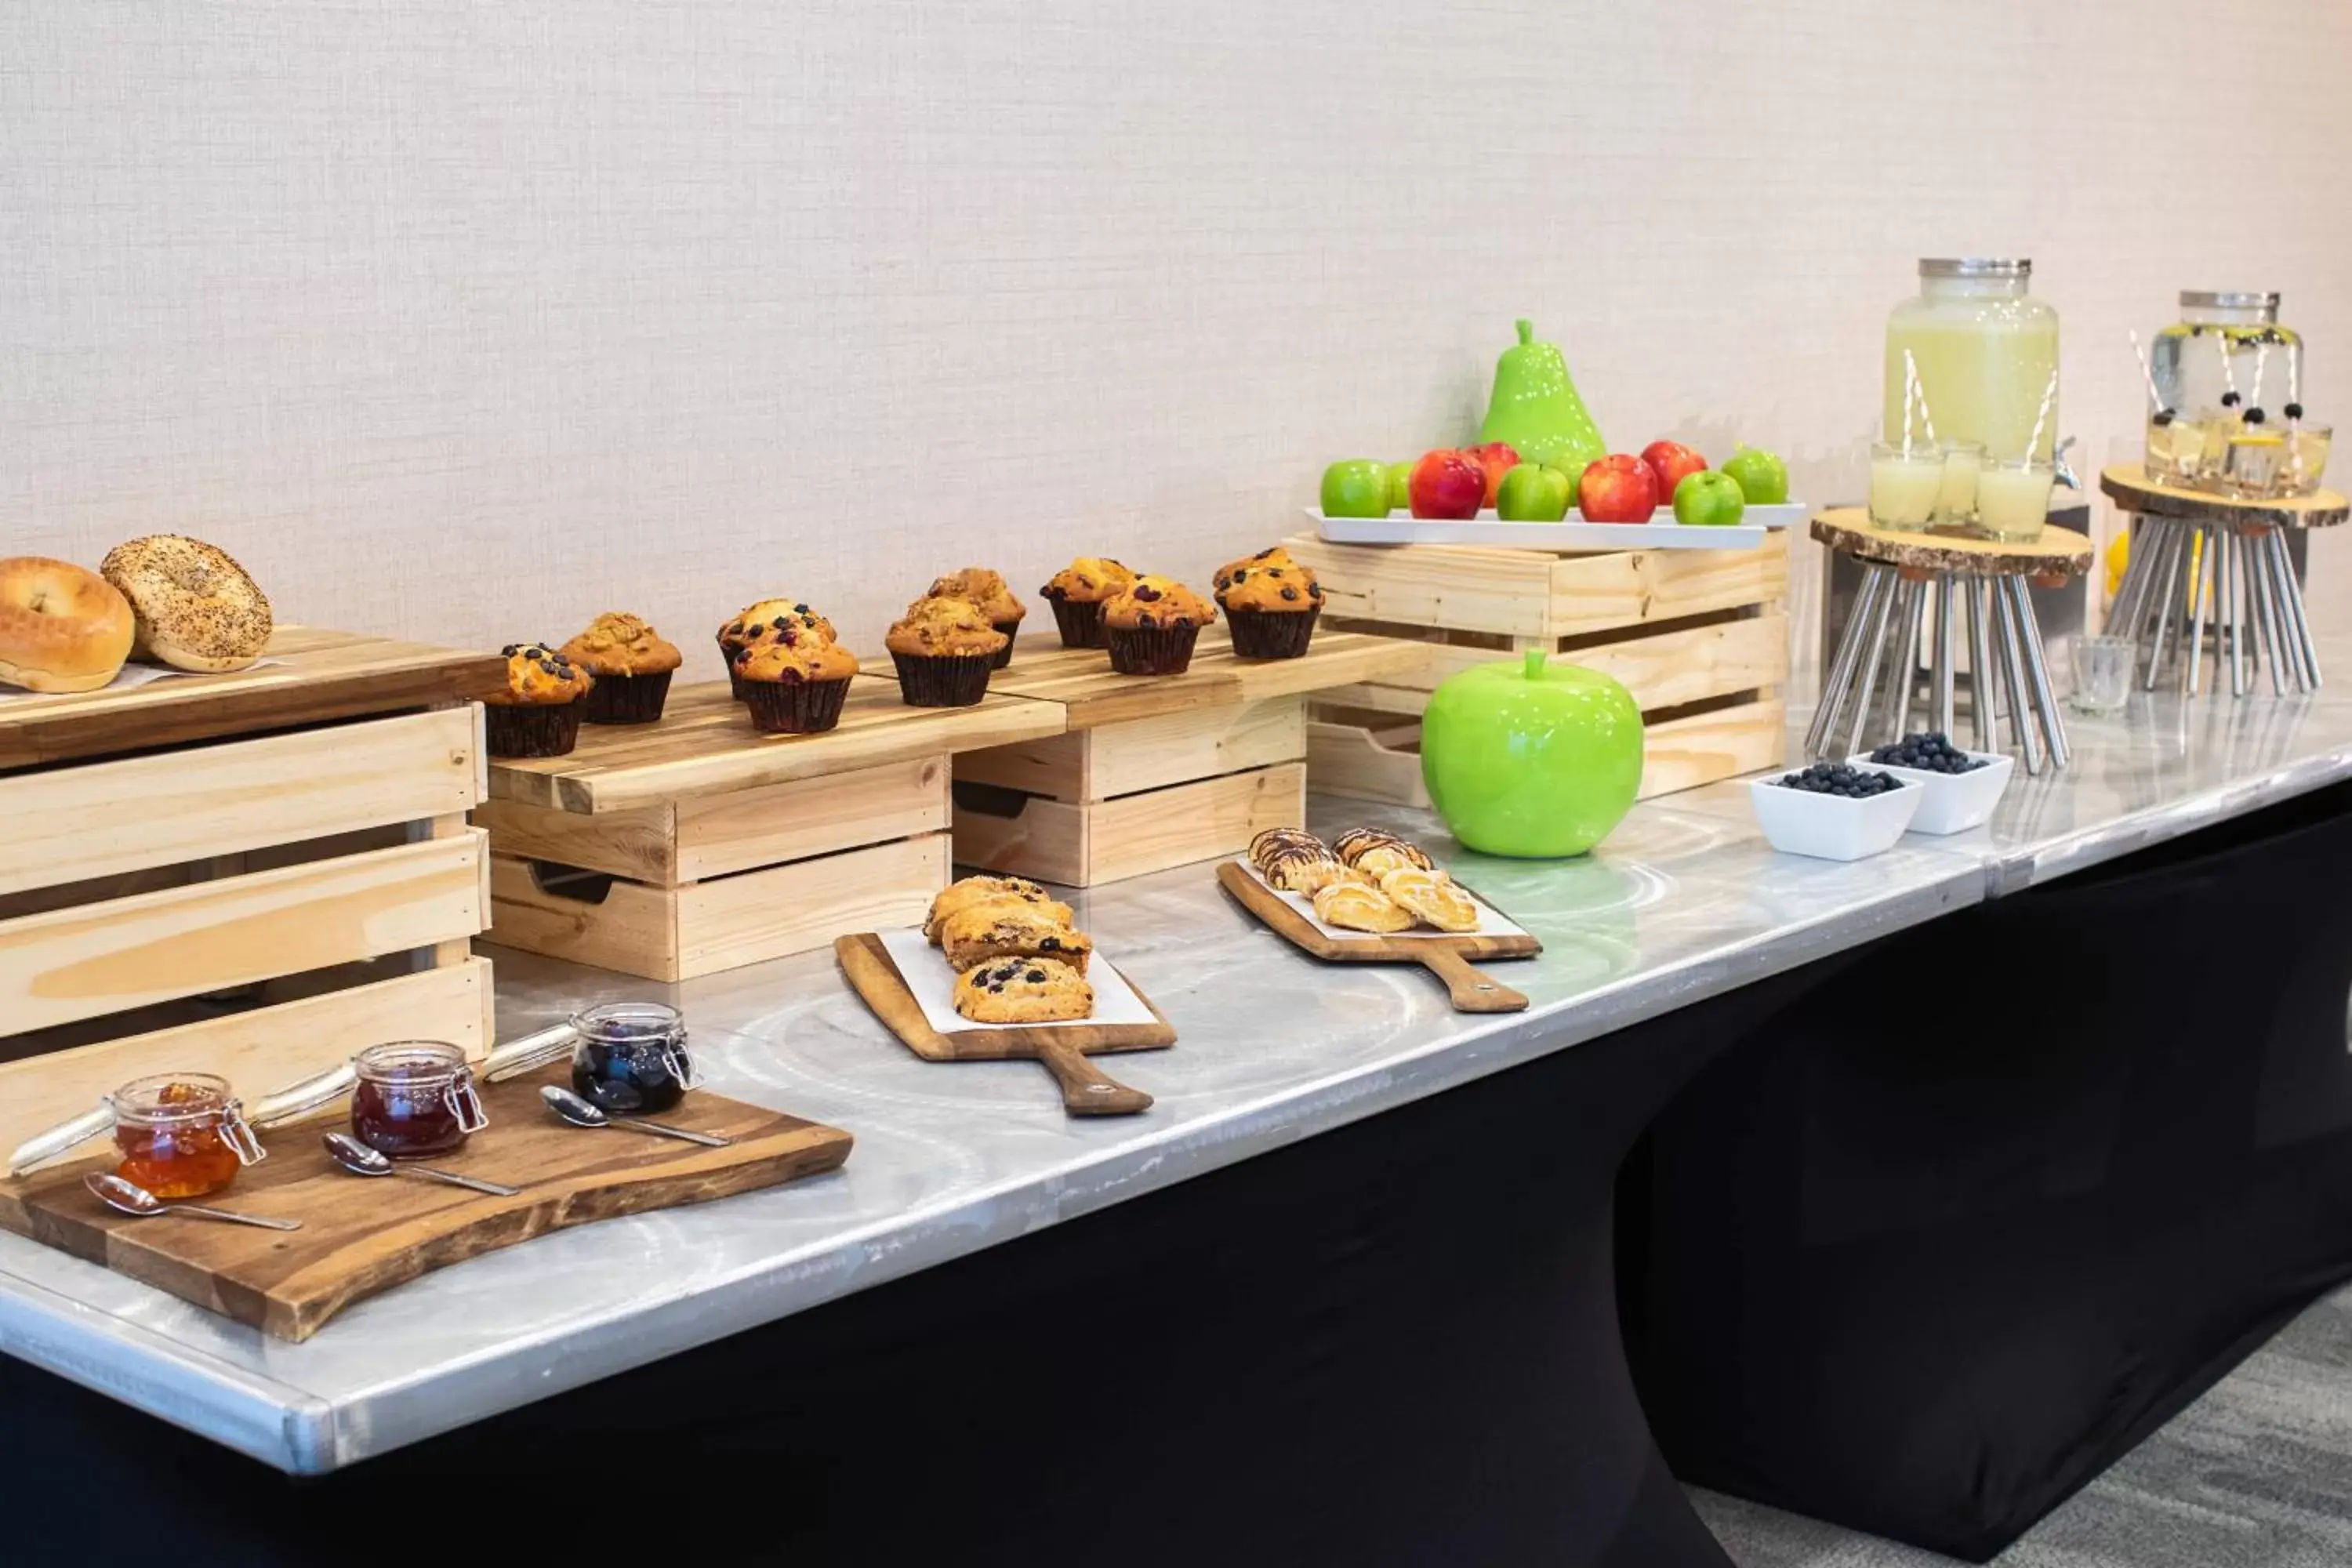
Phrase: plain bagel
pixel 62 626
pixel 196 607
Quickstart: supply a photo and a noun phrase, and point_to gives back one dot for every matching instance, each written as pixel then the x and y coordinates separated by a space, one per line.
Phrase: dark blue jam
pixel 628 1070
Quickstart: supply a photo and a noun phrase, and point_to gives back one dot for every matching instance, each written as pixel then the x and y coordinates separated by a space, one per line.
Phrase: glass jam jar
pixel 631 1058
pixel 414 1098
pixel 181 1134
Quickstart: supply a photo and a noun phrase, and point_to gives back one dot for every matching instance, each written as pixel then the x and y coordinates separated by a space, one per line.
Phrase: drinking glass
pixel 2103 673
pixel 1904 482
pixel 2013 498
pixel 1956 500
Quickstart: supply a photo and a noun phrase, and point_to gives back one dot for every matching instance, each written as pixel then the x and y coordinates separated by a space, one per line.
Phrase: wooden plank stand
pixel 1697 635
pixel 697 844
pixel 291 880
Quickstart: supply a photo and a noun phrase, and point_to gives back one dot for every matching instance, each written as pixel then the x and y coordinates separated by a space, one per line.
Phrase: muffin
pixel 980 586
pixel 538 714
pixel 1271 602
pixel 944 649
pixel 1023 990
pixel 770 618
pixel 631 666
pixel 1078 592
pixel 1151 625
pixel 975 890
pixel 794 688
pixel 989 932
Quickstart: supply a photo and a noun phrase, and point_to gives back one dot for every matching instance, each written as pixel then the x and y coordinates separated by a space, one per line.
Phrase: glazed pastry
pixel 1077 593
pixel 1266 844
pixel 1357 842
pixel 632 664
pixel 1271 602
pixel 784 620
pixel 1297 869
pixel 1360 906
pixel 974 890
pixel 992 931
pixel 943 649
pixel 795 688
pixel 1023 990
pixel 1152 623
pixel 983 589
pixel 536 713
pixel 196 608
pixel 1434 897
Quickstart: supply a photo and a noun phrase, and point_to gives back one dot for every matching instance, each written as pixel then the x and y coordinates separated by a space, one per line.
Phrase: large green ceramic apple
pixel 1531 759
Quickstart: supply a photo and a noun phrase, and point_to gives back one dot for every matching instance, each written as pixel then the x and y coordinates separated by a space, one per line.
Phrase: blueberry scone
pixel 982 932
pixel 1023 990
pixel 974 890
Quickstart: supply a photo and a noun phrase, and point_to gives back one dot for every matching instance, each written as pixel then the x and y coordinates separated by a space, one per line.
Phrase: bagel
pixel 62 628
pixel 195 606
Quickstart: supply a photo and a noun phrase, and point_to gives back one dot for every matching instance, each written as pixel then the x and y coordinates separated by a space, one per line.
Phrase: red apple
pixel 1497 458
pixel 1670 460
pixel 1618 489
pixel 1446 483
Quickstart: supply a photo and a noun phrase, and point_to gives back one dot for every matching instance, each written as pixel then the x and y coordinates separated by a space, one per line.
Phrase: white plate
pixel 930 980
pixel 1832 826
pixel 1955 802
pixel 1573 534
pixel 1491 922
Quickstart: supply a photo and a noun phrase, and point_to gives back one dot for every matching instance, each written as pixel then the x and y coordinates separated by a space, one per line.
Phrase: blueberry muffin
pixel 1152 623
pixel 973 890
pixel 783 620
pixel 538 714
pixel 1360 906
pixel 944 649
pixel 979 586
pixel 1023 990
pixel 1433 896
pixel 795 688
pixel 1078 592
pixel 1271 602
pixel 987 931
pixel 632 664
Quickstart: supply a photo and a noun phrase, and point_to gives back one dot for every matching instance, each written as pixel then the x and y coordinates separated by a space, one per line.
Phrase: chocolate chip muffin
pixel 538 714
pixel 985 932
pixel 1271 603
pixel 944 649
pixel 983 589
pixel 633 665
pixel 784 620
pixel 1023 990
pixel 973 890
pixel 1152 623
pixel 1078 592
pixel 795 688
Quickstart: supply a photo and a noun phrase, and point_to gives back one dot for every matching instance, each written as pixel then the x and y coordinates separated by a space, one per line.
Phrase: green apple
pixel 1709 498
pixel 1400 487
pixel 1532 759
pixel 1531 492
pixel 1763 477
pixel 1357 488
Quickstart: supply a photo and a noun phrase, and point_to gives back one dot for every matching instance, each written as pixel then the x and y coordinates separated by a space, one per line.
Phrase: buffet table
pixel 1433 1290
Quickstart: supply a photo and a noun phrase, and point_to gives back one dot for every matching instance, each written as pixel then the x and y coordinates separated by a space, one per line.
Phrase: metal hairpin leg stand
pixel 2196 556
pixel 1872 686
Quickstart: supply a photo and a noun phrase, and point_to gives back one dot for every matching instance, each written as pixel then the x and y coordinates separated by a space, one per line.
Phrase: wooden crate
pixel 1152 771
pixel 697 844
pixel 292 880
pixel 1699 636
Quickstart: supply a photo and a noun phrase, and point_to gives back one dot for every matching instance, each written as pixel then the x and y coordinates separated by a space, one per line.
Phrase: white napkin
pixel 931 978
pixel 131 675
pixel 1491 921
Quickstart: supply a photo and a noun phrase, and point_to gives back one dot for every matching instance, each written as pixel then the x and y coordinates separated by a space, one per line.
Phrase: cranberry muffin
pixel 795 688
pixel 770 618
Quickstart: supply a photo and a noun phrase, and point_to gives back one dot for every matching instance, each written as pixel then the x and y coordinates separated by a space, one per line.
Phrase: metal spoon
pixel 581 1113
pixel 130 1198
pixel 361 1161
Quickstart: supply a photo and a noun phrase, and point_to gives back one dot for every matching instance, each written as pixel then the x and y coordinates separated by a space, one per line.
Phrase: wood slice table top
pixel 2129 487
pixel 316 676
pixel 2059 550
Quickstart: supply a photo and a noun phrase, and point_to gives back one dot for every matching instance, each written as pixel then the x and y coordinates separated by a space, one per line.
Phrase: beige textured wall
pixel 465 320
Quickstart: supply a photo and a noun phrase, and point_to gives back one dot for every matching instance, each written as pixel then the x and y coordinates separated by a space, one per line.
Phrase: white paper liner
pixel 130 676
pixel 1491 920
pixel 930 978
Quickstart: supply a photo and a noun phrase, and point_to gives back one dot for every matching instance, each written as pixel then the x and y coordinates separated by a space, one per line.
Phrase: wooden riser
pixel 672 933
pixel 1138 754
pixel 1083 844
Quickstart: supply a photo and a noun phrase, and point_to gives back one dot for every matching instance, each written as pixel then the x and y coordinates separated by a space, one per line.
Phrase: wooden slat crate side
pixel 87 961
pixel 632 929
pixel 1138 754
pixel 1663 670
pixel 1083 845
pixel 759 915
pixel 1364 764
pixel 640 843
pixel 77 822
pixel 1504 591
pixel 718 835
pixel 257 1050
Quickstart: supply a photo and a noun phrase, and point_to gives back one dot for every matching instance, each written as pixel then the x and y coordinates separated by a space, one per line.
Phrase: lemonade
pixel 1986 351
pixel 2013 501
pixel 1904 485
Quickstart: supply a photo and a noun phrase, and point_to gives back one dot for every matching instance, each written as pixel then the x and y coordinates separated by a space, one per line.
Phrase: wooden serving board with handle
pixel 1450 958
pixel 363 1235
pixel 1086 1089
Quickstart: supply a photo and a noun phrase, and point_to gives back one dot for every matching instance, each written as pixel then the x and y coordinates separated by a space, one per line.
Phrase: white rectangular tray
pixel 1573 534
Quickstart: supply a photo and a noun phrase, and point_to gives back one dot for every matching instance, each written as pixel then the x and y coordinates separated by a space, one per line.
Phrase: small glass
pixel 2103 673
pixel 1904 484
pixel 1955 500
pixel 2306 458
pixel 2175 446
pixel 2013 498
pixel 2255 464
pixel 631 1058
pixel 414 1098
pixel 181 1134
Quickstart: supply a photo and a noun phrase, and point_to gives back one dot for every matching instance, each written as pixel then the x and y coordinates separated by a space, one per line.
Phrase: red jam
pixel 414 1098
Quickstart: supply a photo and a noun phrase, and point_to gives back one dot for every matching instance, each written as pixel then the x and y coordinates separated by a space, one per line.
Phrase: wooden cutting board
pixel 1086 1089
pixel 1447 957
pixel 363 1235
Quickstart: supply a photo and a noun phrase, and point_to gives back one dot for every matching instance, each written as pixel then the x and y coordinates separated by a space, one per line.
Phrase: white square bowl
pixel 1956 802
pixel 1830 827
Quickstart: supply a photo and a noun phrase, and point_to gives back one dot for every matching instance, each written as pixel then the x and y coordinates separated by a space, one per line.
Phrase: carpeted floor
pixel 2257 1474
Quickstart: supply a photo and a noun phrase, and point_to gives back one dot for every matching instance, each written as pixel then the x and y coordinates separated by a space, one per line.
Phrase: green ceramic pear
pixel 1535 408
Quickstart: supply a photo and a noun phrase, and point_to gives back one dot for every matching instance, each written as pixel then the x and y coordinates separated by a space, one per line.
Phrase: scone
pixel 1302 868
pixel 971 937
pixel 1360 906
pixel 1433 896
pixel 974 890
pixel 1353 846
pixel 1023 990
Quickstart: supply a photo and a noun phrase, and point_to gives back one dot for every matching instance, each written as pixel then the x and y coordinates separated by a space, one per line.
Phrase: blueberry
pixel 2231 400
pixel 2295 410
